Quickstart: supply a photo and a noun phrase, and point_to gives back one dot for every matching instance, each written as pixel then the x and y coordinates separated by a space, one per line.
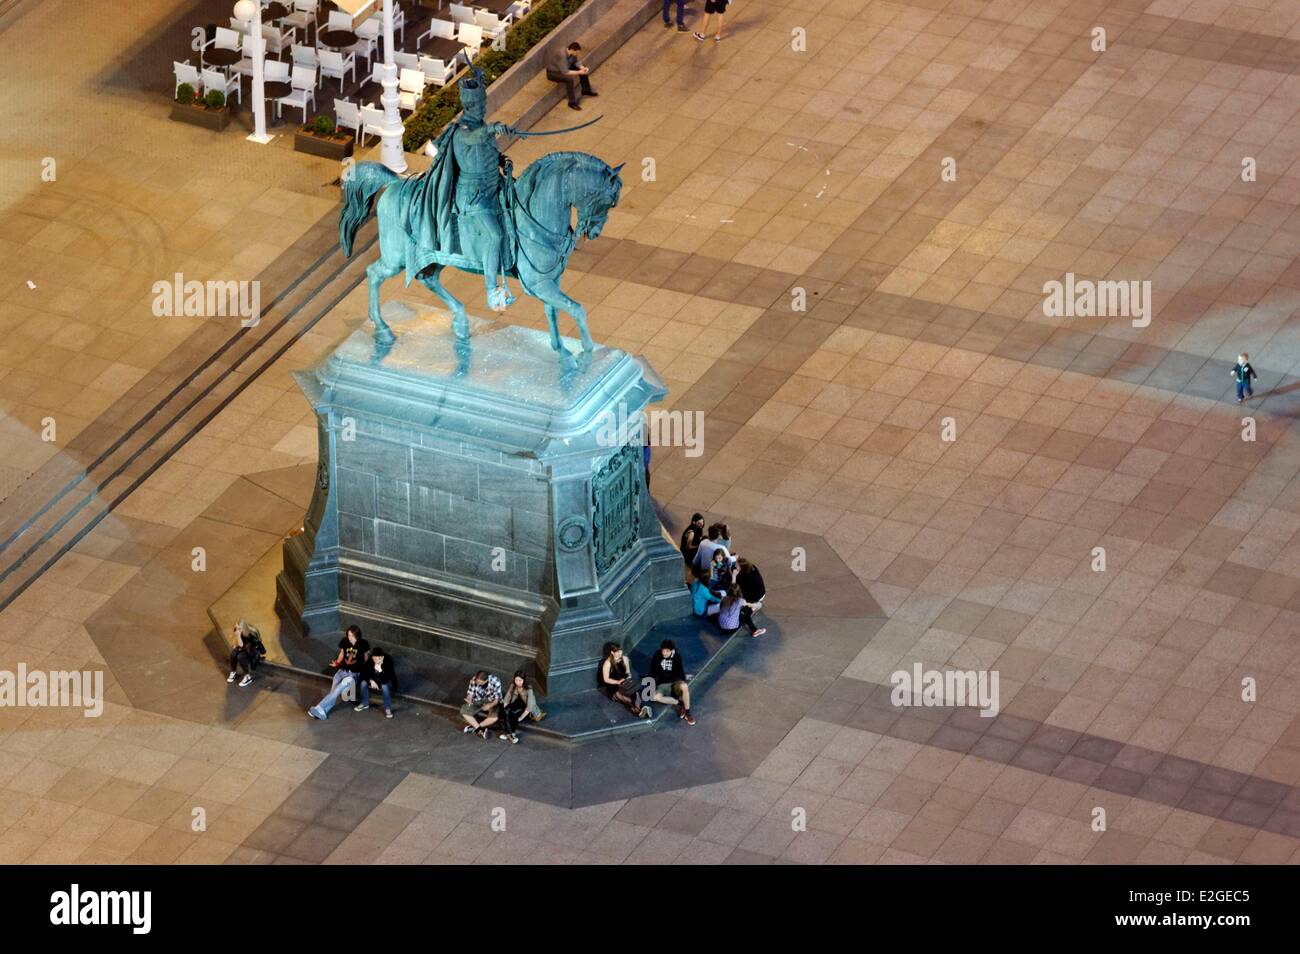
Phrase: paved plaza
pixel 837 255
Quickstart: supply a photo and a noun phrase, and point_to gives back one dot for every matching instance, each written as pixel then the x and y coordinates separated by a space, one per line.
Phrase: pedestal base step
pixel 440 681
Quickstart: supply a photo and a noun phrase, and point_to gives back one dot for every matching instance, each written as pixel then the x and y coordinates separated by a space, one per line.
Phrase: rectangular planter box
pixel 214 119
pixel 315 146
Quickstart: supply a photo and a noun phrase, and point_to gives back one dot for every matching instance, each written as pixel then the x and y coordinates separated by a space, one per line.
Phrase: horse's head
pixel 594 203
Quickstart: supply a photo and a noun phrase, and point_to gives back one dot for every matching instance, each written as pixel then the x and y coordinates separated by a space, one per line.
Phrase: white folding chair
pixel 243 26
pixel 305 56
pixel 187 73
pixel 276 39
pixel 335 64
pixel 303 92
pixel 213 79
pixel 438 72
pixel 275 71
pixel 304 14
pixel 229 39
pixel 437 28
pixel 462 13
pixel 347 116
pixel 407 61
pixel 470 35
pixel 372 122
pixel 491 24
pixel 410 87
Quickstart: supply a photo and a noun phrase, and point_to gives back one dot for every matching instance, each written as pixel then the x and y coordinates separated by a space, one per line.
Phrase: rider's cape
pixel 430 203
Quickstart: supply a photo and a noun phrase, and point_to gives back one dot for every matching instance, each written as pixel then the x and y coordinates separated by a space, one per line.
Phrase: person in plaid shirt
pixel 482 703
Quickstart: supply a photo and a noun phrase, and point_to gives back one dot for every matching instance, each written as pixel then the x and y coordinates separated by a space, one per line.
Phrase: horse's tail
pixel 361 184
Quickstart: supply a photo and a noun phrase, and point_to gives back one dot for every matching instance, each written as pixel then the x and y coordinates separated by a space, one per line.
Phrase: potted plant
pixel 320 137
pixel 210 112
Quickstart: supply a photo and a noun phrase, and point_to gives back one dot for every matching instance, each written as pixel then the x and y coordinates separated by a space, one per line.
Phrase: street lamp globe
pixel 245 10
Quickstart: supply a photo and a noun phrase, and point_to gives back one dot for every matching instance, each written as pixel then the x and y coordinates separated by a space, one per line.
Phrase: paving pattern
pixel 774 171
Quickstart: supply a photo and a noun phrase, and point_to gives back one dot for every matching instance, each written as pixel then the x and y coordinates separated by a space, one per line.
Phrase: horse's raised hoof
pixel 384 335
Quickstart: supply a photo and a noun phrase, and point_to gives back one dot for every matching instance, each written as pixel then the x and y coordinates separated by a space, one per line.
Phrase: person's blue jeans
pixel 681 11
pixel 1244 390
pixel 341 680
pixel 387 690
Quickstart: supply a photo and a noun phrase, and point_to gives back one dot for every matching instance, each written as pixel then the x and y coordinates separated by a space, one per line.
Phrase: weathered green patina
pixel 468 210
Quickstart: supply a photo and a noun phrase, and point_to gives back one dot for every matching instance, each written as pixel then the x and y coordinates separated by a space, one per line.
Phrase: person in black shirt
pixel 691 538
pixel 753 590
pixel 670 676
pixel 617 682
pixel 348 666
pixel 379 673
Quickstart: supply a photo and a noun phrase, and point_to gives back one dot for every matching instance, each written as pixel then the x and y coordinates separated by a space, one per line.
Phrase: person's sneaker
pixel 574 106
pixel 468 729
pixel 361 707
pixel 690 719
pixel 592 93
pixel 248 678
pixel 514 739
pixel 759 632
pixel 388 713
pixel 504 736
pixel 718 38
pixel 681 711
pixel 682 28
pixel 316 713
pixel 486 734
pixel 668 24
pixel 698 36
pixel 230 678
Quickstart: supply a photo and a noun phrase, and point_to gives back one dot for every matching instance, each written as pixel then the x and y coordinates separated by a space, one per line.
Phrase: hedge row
pixel 440 108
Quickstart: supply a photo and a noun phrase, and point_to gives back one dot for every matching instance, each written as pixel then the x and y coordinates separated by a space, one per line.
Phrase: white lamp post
pixel 251 10
pixel 391 153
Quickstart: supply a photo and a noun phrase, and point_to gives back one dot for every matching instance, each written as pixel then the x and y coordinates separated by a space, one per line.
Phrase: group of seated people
pixel 486 706
pixel 358 664
pixel 725 589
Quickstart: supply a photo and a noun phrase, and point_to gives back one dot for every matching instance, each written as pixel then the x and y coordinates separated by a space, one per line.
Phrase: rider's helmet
pixel 473 92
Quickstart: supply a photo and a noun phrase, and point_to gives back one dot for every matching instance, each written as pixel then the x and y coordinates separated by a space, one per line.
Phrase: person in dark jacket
pixel 379 673
pixel 566 68
pixel 691 538
pixel 671 678
pixel 1242 372
pixel 753 589
pixel 246 653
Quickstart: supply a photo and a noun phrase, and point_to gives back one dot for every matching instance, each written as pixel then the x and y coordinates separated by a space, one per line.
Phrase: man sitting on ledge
pixel 567 69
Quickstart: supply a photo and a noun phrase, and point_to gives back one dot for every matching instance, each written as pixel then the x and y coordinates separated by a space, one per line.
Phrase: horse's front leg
pixel 552 297
pixel 459 320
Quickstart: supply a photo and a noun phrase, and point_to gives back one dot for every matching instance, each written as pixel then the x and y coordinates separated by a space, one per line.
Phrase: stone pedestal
pixel 476 503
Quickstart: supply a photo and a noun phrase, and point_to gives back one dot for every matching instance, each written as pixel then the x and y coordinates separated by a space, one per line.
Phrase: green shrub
pixel 441 108
pixel 215 99
pixel 185 94
pixel 324 126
